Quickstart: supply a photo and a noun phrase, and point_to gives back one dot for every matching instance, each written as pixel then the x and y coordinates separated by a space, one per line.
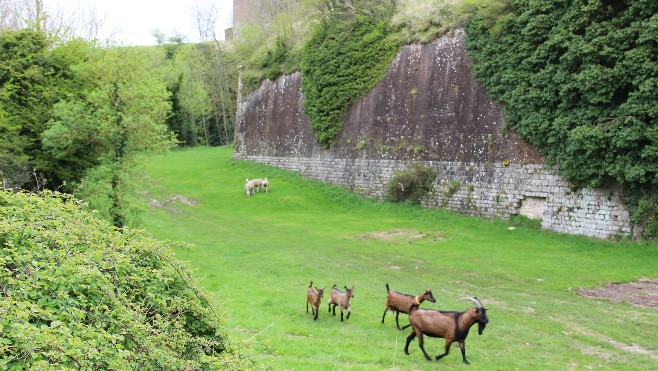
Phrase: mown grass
pixel 257 256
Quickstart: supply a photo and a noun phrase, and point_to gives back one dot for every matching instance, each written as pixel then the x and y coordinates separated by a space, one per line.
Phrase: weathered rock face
pixel 427 109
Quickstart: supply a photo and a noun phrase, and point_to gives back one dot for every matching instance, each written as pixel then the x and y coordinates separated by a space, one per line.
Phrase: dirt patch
pixel 630 348
pixel 401 235
pixel 169 204
pixel 643 293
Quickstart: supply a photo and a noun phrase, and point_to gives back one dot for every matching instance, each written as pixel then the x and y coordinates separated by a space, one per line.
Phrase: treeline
pixel 74 113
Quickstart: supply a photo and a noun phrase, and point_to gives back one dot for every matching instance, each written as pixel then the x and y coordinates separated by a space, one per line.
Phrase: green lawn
pixel 258 254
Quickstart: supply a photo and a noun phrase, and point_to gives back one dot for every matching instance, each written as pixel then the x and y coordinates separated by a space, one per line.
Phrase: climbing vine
pixel 342 62
pixel 579 80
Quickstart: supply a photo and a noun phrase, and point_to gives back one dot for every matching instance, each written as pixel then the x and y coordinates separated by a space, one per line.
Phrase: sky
pixel 132 22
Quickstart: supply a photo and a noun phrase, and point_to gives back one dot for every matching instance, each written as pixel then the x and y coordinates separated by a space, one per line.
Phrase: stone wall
pixel 429 110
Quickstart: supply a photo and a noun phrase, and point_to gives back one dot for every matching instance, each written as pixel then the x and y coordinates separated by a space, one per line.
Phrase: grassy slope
pixel 258 255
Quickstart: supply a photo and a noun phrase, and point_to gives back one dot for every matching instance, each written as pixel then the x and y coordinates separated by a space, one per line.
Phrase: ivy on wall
pixel 341 63
pixel 579 80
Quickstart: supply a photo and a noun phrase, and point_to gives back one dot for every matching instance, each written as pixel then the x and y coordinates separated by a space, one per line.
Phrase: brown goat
pixel 452 326
pixel 342 299
pixel 399 302
pixel 314 296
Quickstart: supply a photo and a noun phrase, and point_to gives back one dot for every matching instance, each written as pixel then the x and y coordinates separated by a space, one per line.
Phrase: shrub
pixel 643 206
pixel 78 293
pixel 410 185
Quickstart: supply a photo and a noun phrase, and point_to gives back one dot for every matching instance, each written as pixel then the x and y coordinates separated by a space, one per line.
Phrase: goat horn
pixel 474 300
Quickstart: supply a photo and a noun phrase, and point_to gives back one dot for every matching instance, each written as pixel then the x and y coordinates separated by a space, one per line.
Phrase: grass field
pixel 257 255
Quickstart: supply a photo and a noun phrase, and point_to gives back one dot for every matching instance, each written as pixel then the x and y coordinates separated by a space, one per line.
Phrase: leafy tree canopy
pixel 96 131
pixel 33 77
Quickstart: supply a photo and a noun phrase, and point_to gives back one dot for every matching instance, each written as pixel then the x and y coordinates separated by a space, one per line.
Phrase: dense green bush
pixel 77 293
pixel 34 75
pixel 340 64
pixel 410 185
pixel 579 80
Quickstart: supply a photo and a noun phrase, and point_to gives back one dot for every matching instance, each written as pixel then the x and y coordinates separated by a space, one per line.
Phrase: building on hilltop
pixel 245 11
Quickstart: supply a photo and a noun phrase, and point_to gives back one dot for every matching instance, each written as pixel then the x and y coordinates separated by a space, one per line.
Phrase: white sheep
pixel 258 184
pixel 249 187
pixel 265 184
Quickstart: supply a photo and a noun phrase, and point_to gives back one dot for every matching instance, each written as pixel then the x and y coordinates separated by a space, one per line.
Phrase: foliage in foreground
pixel 579 80
pixel 76 292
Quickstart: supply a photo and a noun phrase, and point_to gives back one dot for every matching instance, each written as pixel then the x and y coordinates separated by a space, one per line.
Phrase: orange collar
pixel 417 302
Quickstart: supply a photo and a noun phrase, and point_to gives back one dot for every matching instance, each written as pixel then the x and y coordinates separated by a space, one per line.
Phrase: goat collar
pixel 417 301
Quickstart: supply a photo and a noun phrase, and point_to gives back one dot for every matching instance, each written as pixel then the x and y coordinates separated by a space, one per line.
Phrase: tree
pixel 101 128
pixel 220 75
pixel 193 97
pixel 33 77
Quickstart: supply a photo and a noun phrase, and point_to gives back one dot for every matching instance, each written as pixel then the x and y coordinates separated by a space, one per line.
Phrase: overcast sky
pixel 132 22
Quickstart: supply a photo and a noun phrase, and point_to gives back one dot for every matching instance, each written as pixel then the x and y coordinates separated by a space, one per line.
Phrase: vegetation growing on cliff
pixel 76 293
pixel 579 80
pixel 342 48
pixel 341 63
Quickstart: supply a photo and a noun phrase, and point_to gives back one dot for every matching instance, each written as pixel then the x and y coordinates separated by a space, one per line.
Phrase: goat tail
pixel 387 289
pixel 310 284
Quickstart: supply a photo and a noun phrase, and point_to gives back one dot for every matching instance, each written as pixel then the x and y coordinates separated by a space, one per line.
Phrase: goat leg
pixel 422 347
pixel 446 352
pixel 397 322
pixel 349 311
pixel 317 311
pixel 462 346
pixel 384 316
pixel 409 338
